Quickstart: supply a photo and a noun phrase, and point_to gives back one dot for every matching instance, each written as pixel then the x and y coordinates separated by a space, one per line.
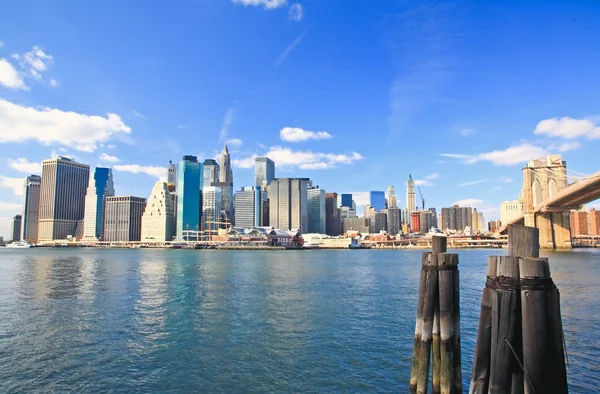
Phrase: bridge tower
pixel 542 180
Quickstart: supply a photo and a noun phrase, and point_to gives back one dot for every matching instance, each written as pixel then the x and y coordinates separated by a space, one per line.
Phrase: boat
pixel 19 245
pixel 311 245
pixel 355 243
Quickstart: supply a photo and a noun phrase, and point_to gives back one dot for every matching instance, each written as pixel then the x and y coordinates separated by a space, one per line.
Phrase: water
pixel 89 320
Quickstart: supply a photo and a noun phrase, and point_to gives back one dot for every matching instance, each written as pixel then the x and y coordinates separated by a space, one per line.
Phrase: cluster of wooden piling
pixel 520 339
pixel 437 329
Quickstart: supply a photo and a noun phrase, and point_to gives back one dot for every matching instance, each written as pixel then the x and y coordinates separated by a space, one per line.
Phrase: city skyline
pixel 347 135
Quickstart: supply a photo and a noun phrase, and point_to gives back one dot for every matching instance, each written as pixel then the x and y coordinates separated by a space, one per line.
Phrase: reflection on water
pixel 187 321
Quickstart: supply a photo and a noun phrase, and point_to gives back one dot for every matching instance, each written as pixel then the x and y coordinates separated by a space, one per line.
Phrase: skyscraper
pixel 188 196
pixel 288 206
pixel 172 174
pixel 31 209
pixel 99 187
pixel 247 207
pixel 211 209
pixel 316 210
pixel 210 172
pixel 456 218
pixel 226 185
pixel 392 203
pixel 15 228
pixel 123 218
pixel 158 220
pixel 264 171
pixel 62 197
pixel 347 200
pixel 377 200
pixel 411 201
pixel 393 220
pixel 332 215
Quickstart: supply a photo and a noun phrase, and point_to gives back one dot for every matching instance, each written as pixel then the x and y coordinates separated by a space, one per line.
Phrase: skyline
pixel 354 97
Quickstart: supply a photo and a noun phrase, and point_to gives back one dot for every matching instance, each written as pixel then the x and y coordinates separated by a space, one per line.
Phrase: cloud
pixel 235 142
pixel 361 198
pixel 16 184
pixel 108 158
pixel 159 172
pixel 226 123
pixel 10 77
pixel 111 146
pixel 37 59
pixel 267 4
pixel 295 134
pixel 53 126
pixel 505 179
pixel 307 160
pixel 568 128
pixel 508 157
pixel 422 182
pixel 472 183
pixel 469 202
pixel 565 147
pixel 23 165
pixel 137 114
pixel 466 132
pixel 10 206
pixel 432 176
pixel 53 83
pixel 290 48
pixel 296 12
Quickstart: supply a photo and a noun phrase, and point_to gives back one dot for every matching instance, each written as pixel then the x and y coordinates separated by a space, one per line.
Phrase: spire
pixel 225 150
pixel 410 178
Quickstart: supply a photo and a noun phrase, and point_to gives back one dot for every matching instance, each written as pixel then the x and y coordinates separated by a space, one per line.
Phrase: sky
pixel 356 95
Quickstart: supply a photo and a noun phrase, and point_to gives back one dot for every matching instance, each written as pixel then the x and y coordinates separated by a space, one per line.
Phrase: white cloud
pixel 288 158
pixel 24 165
pixel 469 202
pixel 159 172
pixel 10 206
pixel 296 12
pixel 568 128
pixel 53 126
pixel 53 83
pixel 361 198
pixel 111 146
pixel 472 183
pixel 290 48
pixel 565 147
pixel 505 179
pixel 235 142
pixel 466 132
pixel 137 114
pixel 37 59
pixel 227 119
pixel 422 182
pixel 268 4
pixel 108 158
pixel 296 134
pixel 432 176
pixel 10 77
pixel 508 157
pixel 16 184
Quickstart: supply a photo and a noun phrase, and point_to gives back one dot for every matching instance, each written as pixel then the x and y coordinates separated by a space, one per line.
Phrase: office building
pixel 62 197
pixel 511 209
pixel 100 186
pixel 415 222
pixel 210 172
pixel 123 218
pixel 264 171
pixel 393 220
pixel 15 228
pixel 332 215
pixel 158 220
pixel 288 204
pixel 316 210
pixel 345 213
pixel 346 200
pixel 456 218
pixel 425 221
pixel 211 210
pixel 579 223
pixel 172 174
pixel 593 222
pixel 226 185
pixel 494 225
pixel 378 222
pixel 31 209
pixel 377 200
pixel 188 196
pixel 481 222
pixel 435 217
pixel 411 201
pixel 475 222
pixel 247 207
pixel 392 203
pixel 361 225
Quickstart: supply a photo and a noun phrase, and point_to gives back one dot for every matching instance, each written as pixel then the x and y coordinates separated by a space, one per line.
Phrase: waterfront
pixel 123 320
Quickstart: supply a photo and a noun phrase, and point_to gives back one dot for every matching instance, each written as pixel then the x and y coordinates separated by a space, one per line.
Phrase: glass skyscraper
pixel 189 184
pixel 99 187
pixel 377 200
pixel 346 200
pixel 264 171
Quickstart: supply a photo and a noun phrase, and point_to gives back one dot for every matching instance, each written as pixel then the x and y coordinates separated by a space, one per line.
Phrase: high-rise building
pixel 210 172
pixel 188 196
pixel 435 217
pixel 579 223
pixel 158 220
pixel 288 204
pixel 62 197
pixel 411 200
pixel 123 218
pixel 332 215
pixel 425 221
pixel 316 210
pixel 362 225
pixel 226 185
pixel 345 213
pixel 415 222
pixel 347 200
pixel 392 203
pixel 475 222
pixel 456 218
pixel 393 220
pixel 15 228
pixel 264 171
pixel 211 209
pixel 377 200
pixel 31 209
pixel 247 207
pixel 481 222
pixel 593 222
pixel 378 222
pixel 172 174
pixel 494 225
pixel 100 186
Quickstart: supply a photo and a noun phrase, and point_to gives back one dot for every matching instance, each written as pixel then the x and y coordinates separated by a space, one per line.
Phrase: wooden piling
pixel 429 303
pixel 439 245
pixel 457 380
pixel 555 366
pixel 419 325
pixel 523 241
pixel 447 264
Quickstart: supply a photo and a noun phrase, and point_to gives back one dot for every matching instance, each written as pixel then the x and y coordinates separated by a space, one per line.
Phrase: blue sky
pixel 353 94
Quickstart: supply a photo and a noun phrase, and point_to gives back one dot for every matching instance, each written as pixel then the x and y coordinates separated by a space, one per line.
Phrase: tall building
pixel 211 209
pixel 172 174
pixel 593 222
pixel 481 222
pixel 456 218
pixel 346 200
pixel 188 196
pixel 345 213
pixel 15 228
pixel 123 218
pixel 316 210
pixel 579 223
pixel 435 217
pixel 362 225
pixel 393 220
pixel 31 209
pixel 247 207
pixel 158 220
pixel 425 221
pixel 264 171
pixel 392 203
pixel 99 187
pixel 226 185
pixel 332 215
pixel 210 172
pixel 415 222
pixel 475 221
pixel 377 200
pixel 378 222
pixel 511 209
pixel 411 200
pixel 62 197
pixel 494 225
pixel 288 204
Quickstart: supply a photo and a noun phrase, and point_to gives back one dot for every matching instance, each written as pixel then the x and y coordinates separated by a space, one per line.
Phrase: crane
pixel 421 195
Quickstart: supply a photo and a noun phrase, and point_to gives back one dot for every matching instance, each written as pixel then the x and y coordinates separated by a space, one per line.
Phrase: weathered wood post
pixel 416 359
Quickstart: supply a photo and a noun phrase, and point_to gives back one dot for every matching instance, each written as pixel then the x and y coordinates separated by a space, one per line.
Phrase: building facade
pixel 377 200
pixel 211 210
pixel 316 210
pixel 100 186
pixel 378 222
pixel 288 204
pixel 210 172
pixel 31 209
pixel 172 174
pixel 123 218
pixel 226 185
pixel 361 225
pixel 332 215
pixel 15 228
pixel 392 202
pixel 158 219
pixel 411 200
pixel 494 225
pixel 62 197
pixel 579 223
pixel 264 171
pixel 593 222
pixel 511 209
pixel 346 200
pixel 247 207
pixel 188 196
pixel 425 221
pixel 393 220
